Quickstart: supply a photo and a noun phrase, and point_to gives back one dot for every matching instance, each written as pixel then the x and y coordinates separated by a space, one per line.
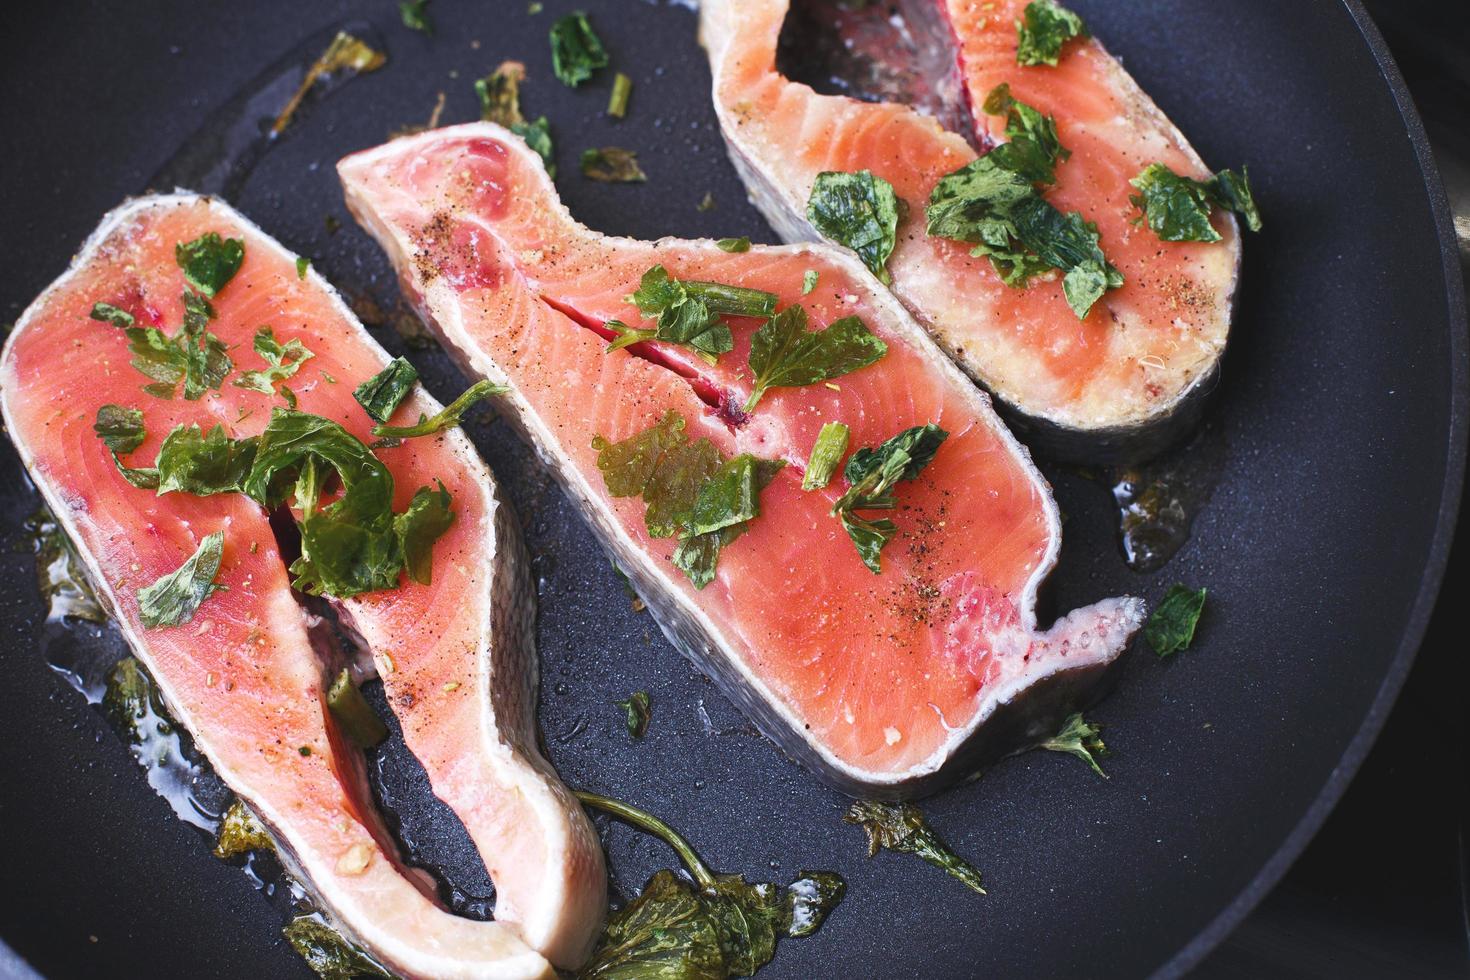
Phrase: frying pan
pixel 1341 414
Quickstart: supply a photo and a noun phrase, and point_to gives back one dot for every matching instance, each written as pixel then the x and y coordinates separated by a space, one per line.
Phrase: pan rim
pixel 1458 320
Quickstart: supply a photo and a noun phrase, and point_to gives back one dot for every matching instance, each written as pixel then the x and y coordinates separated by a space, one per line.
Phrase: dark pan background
pixel 1342 409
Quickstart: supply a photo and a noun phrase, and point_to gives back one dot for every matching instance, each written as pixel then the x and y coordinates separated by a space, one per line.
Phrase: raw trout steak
pixel 883 684
pixel 244 674
pixel 1120 383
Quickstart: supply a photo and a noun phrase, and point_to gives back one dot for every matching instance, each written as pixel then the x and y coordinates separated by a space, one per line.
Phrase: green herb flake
pixel 416 16
pixel 209 261
pixel 328 954
pixel 1042 31
pixel 827 453
pixel 354 716
pixel 500 94
pixel 688 490
pixel 857 210
pixel 240 832
pixel 107 313
pixel 871 475
pixel 1081 738
pixel 901 827
pixel 711 928
pixel 1177 209
pixel 657 291
pixel 622 90
pixel 537 134
pixel 381 394
pixel 784 354
pixel 535 7
pixel 120 428
pixel 612 165
pixel 993 203
pixel 741 244
pixel 190 461
pixel 809 281
pixel 576 51
pixel 302 264
pixel 1171 627
pixel 447 417
pixel 176 597
pixel 424 521
pixel 636 712
pixel 282 360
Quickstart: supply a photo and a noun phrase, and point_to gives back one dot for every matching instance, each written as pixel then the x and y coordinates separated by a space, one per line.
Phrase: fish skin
pixel 517 289
pixel 258 672
pixel 1122 385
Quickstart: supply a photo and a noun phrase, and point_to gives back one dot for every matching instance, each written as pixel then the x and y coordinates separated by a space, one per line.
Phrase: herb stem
pixel 653 825
pixel 731 300
pixel 446 419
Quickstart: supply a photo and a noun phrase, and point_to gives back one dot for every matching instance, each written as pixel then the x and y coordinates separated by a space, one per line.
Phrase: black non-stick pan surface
pixel 1340 417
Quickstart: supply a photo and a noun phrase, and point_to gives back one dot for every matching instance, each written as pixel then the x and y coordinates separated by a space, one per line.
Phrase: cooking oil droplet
pixel 1158 501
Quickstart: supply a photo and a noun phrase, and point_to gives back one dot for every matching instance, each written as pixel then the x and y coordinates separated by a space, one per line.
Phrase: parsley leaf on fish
pixel 194 355
pixel 657 291
pixel 240 832
pixel 354 716
pixel 576 51
pixel 688 489
pixel 177 596
pixel 107 313
pixel 710 928
pixel 858 210
pixel 1171 627
pixel 993 203
pixel 284 361
pixel 636 711
pixel 741 244
pixel 784 354
pixel 446 418
pixel 612 165
pixel 1081 738
pixel 424 521
pixel 189 461
pixel 1177 208
pixel 381 394
pixel 416 16
pixel 1043 29
pixel 809 281
pixel 120 428
pixel 871 475
pixel 302 264
pixel 209 261
pixel 901 827
pixel 827 453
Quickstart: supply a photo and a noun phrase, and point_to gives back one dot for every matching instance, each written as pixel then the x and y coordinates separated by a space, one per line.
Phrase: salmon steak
pixel 876 621
pixel 98 378
pixel 1109 363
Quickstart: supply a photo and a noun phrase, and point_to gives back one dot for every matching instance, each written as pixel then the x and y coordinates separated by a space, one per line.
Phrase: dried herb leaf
pixel 576 51
pixel 1171 627
pixel 1081 738
pixel 636 712
pixel 612 165
pixel 902 827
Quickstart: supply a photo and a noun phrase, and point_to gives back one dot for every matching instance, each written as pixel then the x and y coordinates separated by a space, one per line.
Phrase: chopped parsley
pixel 636 712
pixel 689 312
pixel 784 354
pixel 176 597
pixel 827 453
pixel 741 244
pixel 194 355
pixel 1177 208
pixel 500 102
pixel 120 428
pixel 302 264
pixel 1079 737
pixel 871 475
pixel 901 827
pixel 858 210
pixel 1171 627
pixel 617 102
pixel 283 361
pixel 447 417
pixel 107 313
pixel 209 261
pixel 416 16
pixel 809 281
pixel 190 461
pixel 994 204
pixel 690 490
pixel 576 51
pixel 612 165
pixel 1042 31
pixel 381 394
